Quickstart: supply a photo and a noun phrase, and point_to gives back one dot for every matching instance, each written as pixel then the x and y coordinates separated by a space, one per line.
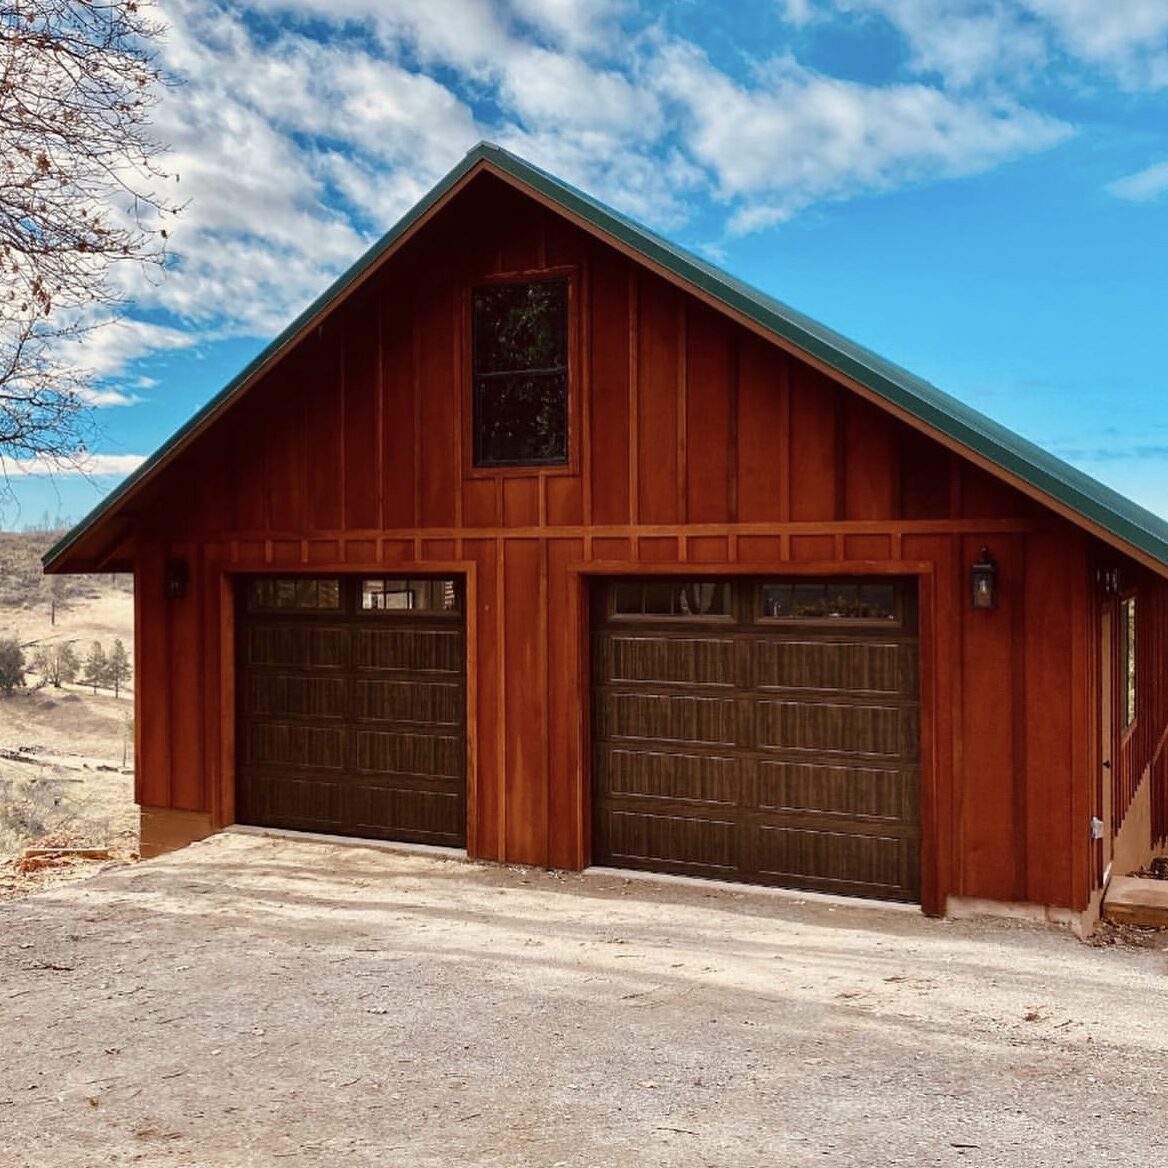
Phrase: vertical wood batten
pixel 681 385
pixel 526 770
pixel 211 667
pixel 634 383
pixel 564 706
pixel 1024 663
pixel 988 757
pixel 186 757
pixel 152 776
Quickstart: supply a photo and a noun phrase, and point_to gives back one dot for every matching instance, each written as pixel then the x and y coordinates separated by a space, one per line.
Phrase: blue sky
pixel 977 189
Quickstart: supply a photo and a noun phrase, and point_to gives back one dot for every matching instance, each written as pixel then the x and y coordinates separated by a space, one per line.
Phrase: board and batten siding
pixel 698 446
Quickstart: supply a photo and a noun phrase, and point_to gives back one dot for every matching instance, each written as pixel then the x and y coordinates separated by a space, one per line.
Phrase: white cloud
pixel 1144 186
pixel 797 136
pixel 82 464
pixel 962 41
pixel 302 129
pixel 105 350
pixel 573 24
pixel 1128 38
pixel 652 189
pixel 103 398
pixel 545 88
pixel 968 42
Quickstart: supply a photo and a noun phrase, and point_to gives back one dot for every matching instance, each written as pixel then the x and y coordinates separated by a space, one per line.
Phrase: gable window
pixel 520 347
pixel 1127 635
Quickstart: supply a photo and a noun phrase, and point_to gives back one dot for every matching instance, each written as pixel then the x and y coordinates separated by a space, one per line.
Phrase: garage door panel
pixel 269 744
pixel 669 717
pixel 307 647
pixel 672 842
pixel 674 776
pixel 850 792
pixel 295 695
pixel 426 755
pixel 831 728
pixel 421 702
pixel 681 661
pixel 417 815
pixel 304 803
pixel 854 667
pixel 834 861
pixel 408 650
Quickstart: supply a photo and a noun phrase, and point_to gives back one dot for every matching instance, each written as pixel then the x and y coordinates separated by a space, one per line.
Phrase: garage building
pixel 536 535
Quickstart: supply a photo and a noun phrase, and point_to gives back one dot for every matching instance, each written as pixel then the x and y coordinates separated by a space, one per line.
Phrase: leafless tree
pixel 80 199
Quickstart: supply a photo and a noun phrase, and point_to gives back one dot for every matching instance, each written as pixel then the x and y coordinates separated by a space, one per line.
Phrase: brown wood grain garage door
pixel 765 731
pixel 351 707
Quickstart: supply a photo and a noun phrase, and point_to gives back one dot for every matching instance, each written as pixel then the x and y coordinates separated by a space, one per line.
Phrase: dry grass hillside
pixel 66 752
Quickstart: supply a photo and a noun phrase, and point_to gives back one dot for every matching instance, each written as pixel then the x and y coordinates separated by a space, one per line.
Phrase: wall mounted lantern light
pixel 1108 581
pixel 983 581
pixel 175 579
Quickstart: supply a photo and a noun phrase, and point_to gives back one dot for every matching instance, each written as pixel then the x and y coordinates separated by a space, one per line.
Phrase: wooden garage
pixel 539 536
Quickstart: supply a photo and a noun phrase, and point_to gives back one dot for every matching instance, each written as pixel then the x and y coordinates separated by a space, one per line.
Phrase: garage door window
pixel 389 595
pixel 294 593
pixel 831 601
pixel 688 599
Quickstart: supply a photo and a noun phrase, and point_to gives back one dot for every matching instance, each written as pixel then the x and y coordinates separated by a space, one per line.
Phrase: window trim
pixel 574 276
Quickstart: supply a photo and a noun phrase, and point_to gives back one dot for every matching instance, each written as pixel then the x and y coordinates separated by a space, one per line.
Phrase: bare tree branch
pixel 80 197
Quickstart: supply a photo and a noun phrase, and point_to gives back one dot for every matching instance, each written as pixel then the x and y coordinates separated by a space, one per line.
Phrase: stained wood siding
pixel 695 445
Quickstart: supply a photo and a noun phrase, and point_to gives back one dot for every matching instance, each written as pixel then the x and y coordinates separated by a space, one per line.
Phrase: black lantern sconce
pixel 1108 581
pixel 983 581
pixel 175 579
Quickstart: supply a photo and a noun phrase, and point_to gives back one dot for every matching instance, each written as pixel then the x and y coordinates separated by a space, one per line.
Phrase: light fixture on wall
pixel 175 579
pixel 983 581
pixel 1108 581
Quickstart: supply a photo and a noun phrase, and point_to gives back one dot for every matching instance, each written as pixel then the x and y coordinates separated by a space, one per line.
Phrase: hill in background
pixel 23 585
pixel 66 753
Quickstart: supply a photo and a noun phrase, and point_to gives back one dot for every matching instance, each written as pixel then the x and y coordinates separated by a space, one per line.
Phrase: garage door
pixel 763 730
pixel 351 707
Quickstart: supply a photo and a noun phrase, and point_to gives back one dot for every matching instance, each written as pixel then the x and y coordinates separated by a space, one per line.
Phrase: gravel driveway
pixel 252 1001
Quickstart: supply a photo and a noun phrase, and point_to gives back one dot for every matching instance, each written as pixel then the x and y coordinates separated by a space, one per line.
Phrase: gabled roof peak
pixel 1069 491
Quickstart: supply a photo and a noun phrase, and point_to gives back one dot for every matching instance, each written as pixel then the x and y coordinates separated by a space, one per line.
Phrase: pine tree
pixel 11 665
pixel 118 667
pixel 96 666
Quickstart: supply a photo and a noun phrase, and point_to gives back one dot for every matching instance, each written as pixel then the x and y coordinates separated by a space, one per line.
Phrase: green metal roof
pixel 1118 516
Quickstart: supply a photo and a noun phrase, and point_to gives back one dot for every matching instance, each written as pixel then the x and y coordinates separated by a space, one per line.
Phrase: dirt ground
pixel 255 1002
